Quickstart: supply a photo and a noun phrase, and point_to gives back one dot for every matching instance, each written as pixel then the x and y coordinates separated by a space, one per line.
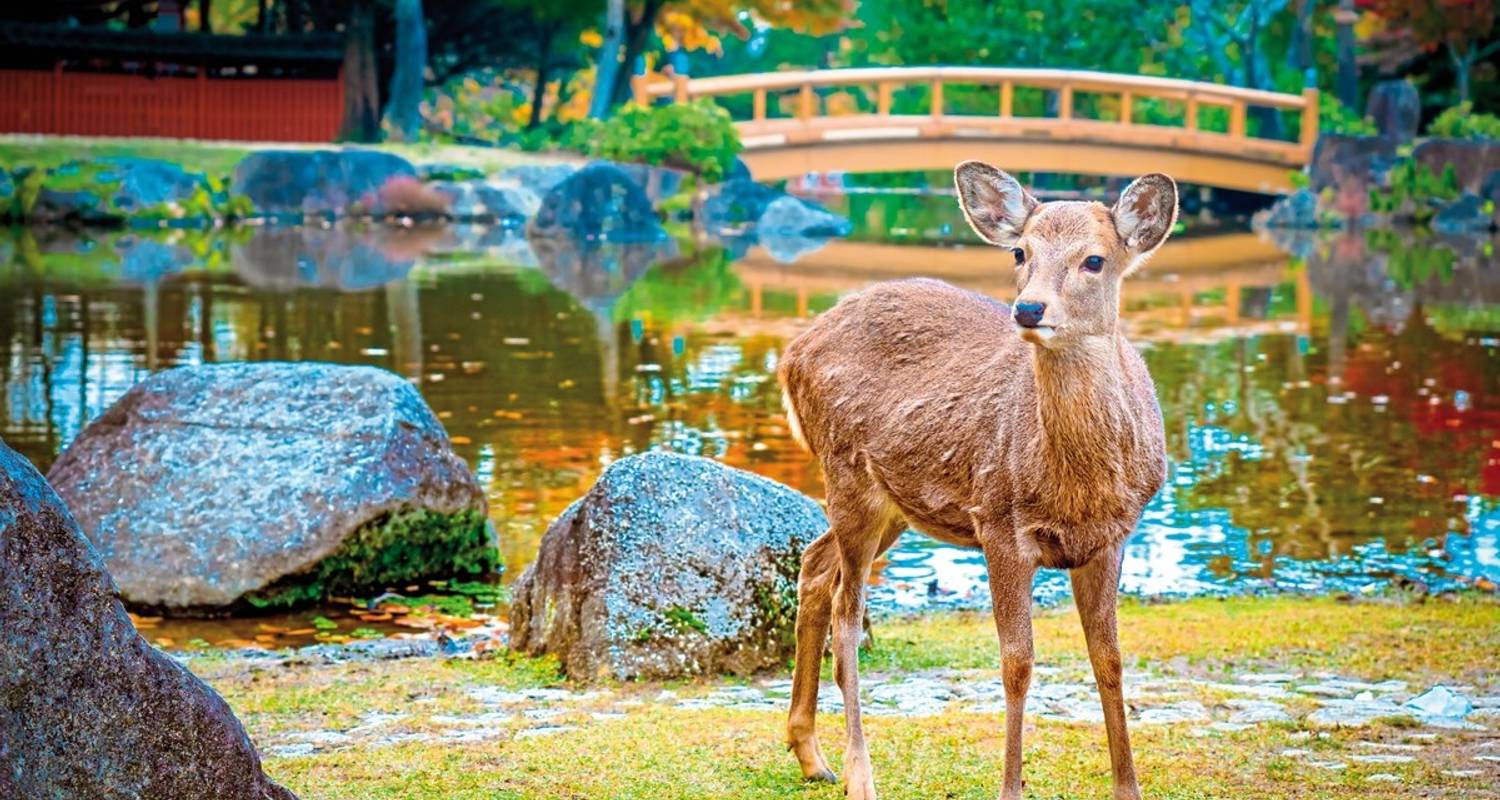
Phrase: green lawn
pixel 661 751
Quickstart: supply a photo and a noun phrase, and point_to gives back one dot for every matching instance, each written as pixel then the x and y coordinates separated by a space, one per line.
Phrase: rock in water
pixel 597 202
pixel 271 484
pixel 671 565
pixel 90 710
pixel 295 183
pixel 1396 108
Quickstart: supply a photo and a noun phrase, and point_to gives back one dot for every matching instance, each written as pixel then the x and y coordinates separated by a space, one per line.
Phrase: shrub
pixel 697 136
pixel 1335 117
pixel 1460 122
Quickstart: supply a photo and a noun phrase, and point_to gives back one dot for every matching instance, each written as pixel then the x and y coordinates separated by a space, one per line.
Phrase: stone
pixel 91 709
pixel 598 202
pixel 1341 713
pixel 271 484
pixel 671 565
pixel 1440 701
pixel 539 178
pixel 116 188
pixel 1396 108
pixel 325 183
pixel 1296 210
pixel 657 182
pixel 1489 192
pixel 1464 215
pixel 1250 712
pixel 481 201
pixel 1350 166
pixel 1174 713
pixel 791 216
pixel 1472 160
pixel 735 206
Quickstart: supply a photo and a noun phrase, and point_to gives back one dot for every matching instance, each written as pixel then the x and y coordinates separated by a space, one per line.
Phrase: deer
pixel 1031 432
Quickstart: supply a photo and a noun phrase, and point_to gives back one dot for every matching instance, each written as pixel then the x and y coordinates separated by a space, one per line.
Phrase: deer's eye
pixel 1093 263
pixel 1020 255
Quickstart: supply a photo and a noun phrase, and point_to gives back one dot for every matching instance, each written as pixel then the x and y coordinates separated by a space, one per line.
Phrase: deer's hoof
pixel 824 775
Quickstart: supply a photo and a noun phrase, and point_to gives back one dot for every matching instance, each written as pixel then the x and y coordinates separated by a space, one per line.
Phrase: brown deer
pixel 1032 433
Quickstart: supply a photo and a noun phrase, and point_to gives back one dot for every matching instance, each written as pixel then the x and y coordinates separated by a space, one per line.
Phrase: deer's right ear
pixel 995 204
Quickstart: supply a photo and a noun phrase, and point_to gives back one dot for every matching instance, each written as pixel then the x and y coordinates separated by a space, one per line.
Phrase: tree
pixel 361 84
pixel 609 59
pixel 1460 27
pixel 403 110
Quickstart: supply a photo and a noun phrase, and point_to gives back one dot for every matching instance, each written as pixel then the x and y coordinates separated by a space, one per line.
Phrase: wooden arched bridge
pixel 845 120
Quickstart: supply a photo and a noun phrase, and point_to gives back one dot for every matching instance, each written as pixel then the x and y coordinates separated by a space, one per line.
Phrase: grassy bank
pixel 218 158
pixel 504 726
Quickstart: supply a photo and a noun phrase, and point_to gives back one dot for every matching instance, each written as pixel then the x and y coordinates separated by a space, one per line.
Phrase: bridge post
pixel 806 101
pixel 1191 122
pixel 1308 136
pixel 1007 98
pixel 1065 101
pixel 883 98
pixel 937 98
pixel 638 90
pixel 1127 108
pixel 1237 120
pixel 758 113
pixel 679 88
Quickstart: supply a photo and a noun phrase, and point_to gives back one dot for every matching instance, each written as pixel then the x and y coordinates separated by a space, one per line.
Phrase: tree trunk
pixel 262 16
pixel 609 59
pixel 205 11
pixel 403 111
pixel 361 86
pixel 638 33
pixel 539 91
pixel 1299 53
pixel 1348 78
pixel 1462 62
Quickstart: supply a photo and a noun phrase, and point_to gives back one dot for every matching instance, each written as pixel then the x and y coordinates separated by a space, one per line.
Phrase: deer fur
pixel 931 406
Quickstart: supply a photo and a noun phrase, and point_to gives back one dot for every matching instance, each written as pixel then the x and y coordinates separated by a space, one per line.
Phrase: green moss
pixel 684 620
pixel 392 550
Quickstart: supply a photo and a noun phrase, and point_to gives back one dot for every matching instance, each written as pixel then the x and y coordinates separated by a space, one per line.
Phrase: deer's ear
pixel 1145 213
pixel 993 202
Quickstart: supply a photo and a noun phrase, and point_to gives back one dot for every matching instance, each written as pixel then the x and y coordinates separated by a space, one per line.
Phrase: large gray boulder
pixel 671 565
pixel 599 203
pixel 115 188
pixel 483 201
pixel 327 183
pixel 88 709
pixel 1396 108
pixel 1472 160
pixel 272 484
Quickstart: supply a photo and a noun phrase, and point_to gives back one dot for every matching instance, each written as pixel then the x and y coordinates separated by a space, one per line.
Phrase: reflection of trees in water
pixel 1366 430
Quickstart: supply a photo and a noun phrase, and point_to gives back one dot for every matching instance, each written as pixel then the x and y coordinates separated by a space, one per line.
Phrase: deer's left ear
pixel 1145 214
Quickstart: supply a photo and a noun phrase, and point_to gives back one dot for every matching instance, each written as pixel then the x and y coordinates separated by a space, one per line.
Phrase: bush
pixel 697 136
pixel 1335 117
pixel 1460 122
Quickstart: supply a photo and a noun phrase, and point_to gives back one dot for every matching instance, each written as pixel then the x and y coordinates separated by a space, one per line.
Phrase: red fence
pixel 97 104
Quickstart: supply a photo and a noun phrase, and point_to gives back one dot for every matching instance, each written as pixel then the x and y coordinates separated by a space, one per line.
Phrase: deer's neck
pixel 1085 415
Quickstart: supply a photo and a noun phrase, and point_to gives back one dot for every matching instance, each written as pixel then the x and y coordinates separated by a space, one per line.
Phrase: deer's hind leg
pixel 816 585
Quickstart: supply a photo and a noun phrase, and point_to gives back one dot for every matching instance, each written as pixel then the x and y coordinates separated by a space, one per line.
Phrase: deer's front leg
pixel 1010 592
pixel 1095 586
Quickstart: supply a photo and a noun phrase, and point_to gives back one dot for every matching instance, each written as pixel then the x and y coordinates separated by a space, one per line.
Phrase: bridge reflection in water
pixel 1094 123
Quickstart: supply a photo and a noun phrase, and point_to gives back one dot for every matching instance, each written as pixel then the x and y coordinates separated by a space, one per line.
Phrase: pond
pixel 1332 402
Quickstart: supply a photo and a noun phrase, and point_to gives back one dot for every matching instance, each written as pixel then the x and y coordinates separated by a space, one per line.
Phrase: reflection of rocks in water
pixel 1387 277
pixel 597 273
pixel 501 242
pixel 331 258
pixel 125 257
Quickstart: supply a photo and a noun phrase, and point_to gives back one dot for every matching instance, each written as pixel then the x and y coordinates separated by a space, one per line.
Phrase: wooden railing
pixel 811 122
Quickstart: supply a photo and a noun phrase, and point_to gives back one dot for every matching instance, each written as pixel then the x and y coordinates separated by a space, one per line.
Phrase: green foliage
pixel 1462 122
pixel 1335 117
pixel 1412 262
pixel 698 136
pixel 1414 191
pixel 393 549
pixel 684 620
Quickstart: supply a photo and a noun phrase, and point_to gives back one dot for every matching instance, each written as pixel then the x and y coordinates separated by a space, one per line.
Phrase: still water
pixel 1332 403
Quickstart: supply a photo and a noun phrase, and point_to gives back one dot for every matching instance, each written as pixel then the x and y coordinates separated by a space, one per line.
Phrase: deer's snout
pixel 1029 315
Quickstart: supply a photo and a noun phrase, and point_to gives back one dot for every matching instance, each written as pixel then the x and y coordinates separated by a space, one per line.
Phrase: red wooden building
pixel 138 82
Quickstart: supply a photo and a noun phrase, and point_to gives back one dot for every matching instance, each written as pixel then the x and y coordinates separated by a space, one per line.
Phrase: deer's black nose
pixel 1029 315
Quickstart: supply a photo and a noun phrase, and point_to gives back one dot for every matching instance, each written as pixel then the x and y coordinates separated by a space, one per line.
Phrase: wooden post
pixel 806 102
pixel 937 98
pixel 1065 101
pixel 1237 120
pixel 759 112
pixel 679 88
pixel 1127 108
pixel 883 98
pixel 638 90
pixel 1309 135
pixel 1191 123
pixel 1007 98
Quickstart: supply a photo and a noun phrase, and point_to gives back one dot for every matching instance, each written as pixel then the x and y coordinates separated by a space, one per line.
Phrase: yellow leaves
pixel 679 29
pixel 591 38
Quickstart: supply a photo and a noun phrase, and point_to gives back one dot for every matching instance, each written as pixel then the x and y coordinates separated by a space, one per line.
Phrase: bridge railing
pixel 813 121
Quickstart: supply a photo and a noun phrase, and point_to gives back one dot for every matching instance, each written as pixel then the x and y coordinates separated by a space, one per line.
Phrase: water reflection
pixel 1331 403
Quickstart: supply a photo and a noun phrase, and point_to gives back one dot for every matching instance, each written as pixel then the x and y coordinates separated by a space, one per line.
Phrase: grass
pixel 662 752
pixel 219 158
